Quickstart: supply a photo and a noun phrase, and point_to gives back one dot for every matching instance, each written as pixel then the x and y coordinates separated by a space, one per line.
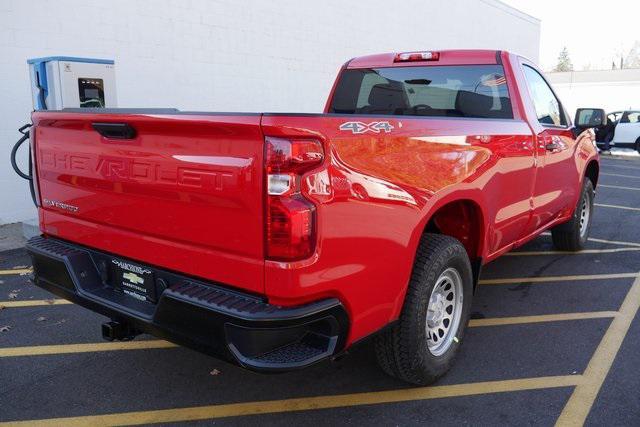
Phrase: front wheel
pixel 573 235
pixel 422 345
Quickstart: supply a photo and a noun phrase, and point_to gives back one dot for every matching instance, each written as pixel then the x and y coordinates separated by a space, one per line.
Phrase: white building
pixel 229 55
pixel 613 90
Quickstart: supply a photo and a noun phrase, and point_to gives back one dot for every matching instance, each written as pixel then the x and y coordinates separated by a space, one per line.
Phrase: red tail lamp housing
pixel 290 217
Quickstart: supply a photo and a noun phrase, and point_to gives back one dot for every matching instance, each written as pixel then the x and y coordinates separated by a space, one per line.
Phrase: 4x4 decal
pixel 360 127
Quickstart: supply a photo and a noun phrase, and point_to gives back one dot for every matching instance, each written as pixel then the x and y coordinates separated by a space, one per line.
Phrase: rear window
pixel 478 91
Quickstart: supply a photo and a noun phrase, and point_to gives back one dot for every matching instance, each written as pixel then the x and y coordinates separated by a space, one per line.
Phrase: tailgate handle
pixel 115 130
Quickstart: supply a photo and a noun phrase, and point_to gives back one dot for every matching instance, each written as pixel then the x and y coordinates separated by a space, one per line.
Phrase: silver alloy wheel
pixel 585 212
pixel 444 311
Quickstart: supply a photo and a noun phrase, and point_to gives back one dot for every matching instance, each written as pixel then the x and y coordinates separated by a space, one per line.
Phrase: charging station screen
pixel 91 92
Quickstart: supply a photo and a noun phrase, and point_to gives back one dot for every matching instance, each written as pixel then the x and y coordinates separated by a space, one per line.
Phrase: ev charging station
pixel 59 82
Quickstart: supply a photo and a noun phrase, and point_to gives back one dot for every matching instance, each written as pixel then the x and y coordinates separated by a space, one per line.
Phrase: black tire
pixel 402 350
pixel 570 236
pixel 637 145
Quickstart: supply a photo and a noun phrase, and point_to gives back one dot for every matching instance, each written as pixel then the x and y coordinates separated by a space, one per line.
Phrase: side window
pixel 625 117
pixel 613 117
pixel 546 104
pixel 630 117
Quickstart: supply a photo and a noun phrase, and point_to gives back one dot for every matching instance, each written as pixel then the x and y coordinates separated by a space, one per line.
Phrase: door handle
pixel 552 146
pixel 115 130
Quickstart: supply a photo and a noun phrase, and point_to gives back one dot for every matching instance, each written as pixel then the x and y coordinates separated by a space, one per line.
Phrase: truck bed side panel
pixel 374 194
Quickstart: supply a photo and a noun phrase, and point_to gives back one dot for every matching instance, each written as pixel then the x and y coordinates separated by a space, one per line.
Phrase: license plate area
pixel 134 280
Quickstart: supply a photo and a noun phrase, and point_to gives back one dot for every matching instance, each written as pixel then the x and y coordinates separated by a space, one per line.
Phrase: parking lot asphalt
pixel 554 338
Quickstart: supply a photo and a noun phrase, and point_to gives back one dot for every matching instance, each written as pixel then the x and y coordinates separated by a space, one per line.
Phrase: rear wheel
pixel 573 235
pixel 637 145
pixel 422 345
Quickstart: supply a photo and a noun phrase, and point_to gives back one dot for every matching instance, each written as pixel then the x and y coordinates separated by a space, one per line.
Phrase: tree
pixel 564 62
pixel 633 57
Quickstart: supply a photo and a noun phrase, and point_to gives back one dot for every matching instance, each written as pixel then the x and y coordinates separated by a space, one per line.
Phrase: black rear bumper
pixel 235 326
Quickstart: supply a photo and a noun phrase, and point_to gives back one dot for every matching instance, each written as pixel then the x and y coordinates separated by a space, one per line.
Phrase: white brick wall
pixel 228 55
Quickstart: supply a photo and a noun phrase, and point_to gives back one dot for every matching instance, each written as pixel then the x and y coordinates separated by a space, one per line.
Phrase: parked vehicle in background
pixel 622 130
pixel 604 134
pixel 279 240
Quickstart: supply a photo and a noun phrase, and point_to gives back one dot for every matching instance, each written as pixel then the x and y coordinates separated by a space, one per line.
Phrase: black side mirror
pixel 590 118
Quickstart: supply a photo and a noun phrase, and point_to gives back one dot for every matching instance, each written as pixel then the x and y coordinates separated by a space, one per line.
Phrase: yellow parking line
pixel 582 252
pixel 518 320
pixel 15 271
pixel 41 350
pixel 555 278
pixel 34 303
pixel 619 187
pixel 614 242
pixel 616 207
pixel 44 350
pixel 57 301
pixel 307 403
pixel 472 323
pixel 622 176
pixel 579 405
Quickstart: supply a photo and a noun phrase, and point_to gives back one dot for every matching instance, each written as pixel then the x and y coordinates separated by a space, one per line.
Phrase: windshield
pixel 449 91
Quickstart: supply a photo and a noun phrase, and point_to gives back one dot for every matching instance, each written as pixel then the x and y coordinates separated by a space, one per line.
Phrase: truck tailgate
pixel 184 192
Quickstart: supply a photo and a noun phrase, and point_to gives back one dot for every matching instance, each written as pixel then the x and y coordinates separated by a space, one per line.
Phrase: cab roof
pixel 446 57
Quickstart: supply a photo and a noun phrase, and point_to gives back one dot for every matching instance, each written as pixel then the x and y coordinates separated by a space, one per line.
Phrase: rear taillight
pixel 290 217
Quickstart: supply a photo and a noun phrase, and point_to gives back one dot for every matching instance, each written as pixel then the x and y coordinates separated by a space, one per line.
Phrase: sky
pixel 594 32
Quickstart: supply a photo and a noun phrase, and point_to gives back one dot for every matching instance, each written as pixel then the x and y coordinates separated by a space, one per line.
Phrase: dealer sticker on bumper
pixel 134 280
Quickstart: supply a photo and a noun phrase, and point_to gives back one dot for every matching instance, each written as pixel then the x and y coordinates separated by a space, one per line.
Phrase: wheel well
pixel 592 172
pixel 463 220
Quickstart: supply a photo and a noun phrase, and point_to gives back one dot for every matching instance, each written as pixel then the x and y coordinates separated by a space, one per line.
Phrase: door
pixel 628 129
pixel 557 178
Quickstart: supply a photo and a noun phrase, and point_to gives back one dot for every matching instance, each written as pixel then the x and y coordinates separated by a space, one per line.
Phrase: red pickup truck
pixel 278 240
